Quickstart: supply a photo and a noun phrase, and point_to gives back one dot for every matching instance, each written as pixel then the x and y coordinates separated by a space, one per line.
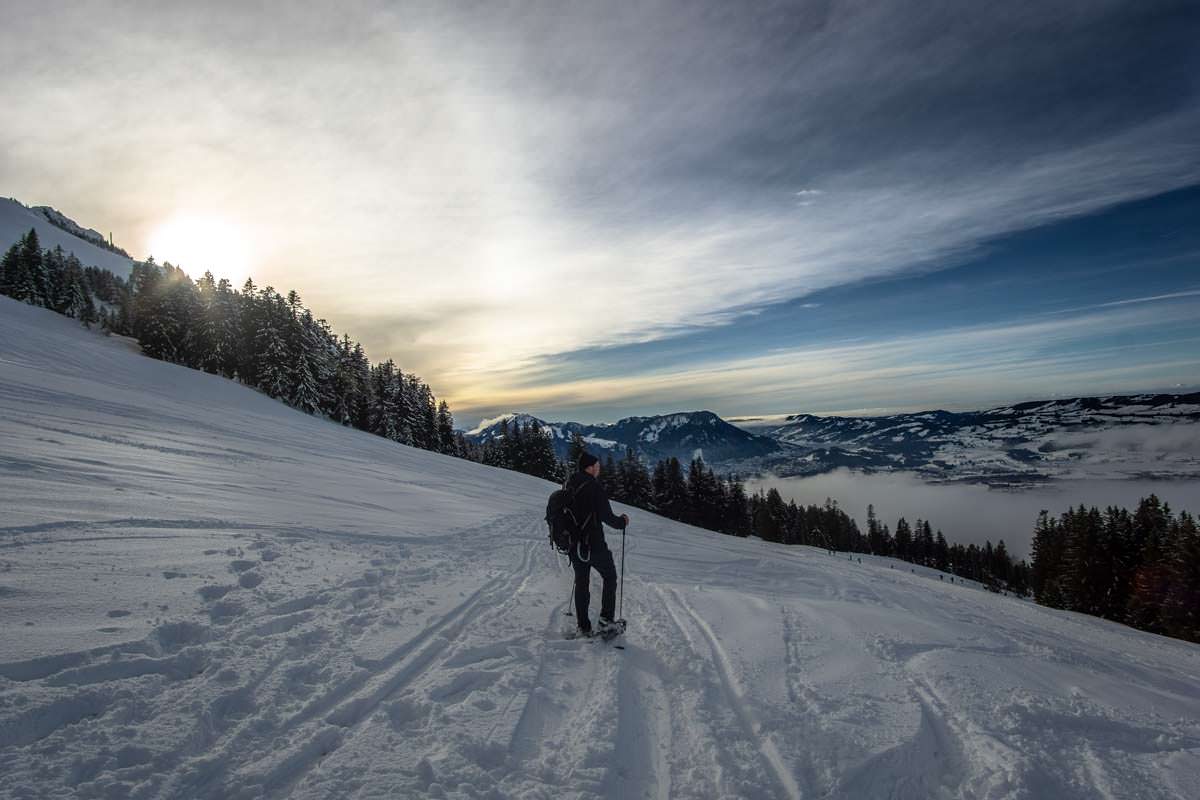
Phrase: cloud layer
pixel 471 188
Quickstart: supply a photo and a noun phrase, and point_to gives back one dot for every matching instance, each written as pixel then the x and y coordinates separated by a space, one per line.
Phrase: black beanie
pixel 586 460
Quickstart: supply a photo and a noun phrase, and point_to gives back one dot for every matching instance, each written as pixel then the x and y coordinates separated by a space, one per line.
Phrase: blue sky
pixel 1103 303
pixel 589 210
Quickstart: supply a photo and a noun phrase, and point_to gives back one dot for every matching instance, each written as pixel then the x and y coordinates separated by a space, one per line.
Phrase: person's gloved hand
pixel 625 521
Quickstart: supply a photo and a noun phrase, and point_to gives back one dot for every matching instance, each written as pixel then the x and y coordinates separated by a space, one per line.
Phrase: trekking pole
pixel 621 605
pixel 570 599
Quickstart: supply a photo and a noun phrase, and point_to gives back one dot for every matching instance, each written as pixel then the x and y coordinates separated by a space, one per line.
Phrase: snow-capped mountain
pixel 682 435
pixel 55 229
pixel 1118 436
pixel 207 594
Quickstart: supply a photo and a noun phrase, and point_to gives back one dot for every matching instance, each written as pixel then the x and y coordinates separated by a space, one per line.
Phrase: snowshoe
pixel 609 629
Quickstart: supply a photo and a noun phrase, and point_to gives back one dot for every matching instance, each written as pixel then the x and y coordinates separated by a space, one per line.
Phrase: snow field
pixel 206 594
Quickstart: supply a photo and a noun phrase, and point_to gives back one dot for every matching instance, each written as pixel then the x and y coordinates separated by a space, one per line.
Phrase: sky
pixel 591 210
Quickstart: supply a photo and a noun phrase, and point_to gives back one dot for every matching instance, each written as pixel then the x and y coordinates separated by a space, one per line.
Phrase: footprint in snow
pixel 249 580
pixel 214 592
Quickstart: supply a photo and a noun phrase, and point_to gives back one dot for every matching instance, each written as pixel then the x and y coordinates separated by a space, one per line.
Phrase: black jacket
pixel 591 506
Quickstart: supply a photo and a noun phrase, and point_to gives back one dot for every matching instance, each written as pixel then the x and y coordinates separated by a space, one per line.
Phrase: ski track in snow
pixel 205 594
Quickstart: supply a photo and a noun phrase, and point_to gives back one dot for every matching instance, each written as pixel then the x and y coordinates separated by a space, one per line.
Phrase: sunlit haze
pixel 201 244
pixel 587 211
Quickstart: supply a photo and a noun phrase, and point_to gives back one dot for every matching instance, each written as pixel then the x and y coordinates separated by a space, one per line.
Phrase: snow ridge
pixel 56 230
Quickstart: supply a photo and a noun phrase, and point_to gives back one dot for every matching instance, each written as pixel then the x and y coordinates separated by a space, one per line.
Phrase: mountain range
pixel 1135 436
pixel 684 436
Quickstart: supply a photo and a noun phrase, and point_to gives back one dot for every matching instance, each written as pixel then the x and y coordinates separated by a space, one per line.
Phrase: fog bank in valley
pixel 969 513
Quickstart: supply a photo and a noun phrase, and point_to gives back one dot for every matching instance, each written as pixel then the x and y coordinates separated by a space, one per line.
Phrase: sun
pixel 199 243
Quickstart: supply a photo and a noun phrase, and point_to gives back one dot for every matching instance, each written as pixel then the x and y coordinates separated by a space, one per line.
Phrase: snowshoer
pixel 593 510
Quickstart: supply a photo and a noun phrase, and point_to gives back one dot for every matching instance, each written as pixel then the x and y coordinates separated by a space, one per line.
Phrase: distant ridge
pixel 682 435
pixel 55 229
pixel 1114 437
pixel 1118 436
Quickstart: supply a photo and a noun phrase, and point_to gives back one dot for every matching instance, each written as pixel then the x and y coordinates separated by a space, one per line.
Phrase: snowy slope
pixel 206 594
pixel 16 220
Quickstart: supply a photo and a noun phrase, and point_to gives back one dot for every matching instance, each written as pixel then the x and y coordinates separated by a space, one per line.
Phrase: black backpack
pixel 566 534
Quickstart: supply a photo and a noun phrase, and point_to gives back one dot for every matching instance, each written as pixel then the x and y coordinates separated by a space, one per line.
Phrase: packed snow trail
pixel 206 594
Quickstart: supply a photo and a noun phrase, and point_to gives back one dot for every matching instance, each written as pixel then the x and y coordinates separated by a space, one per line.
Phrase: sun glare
pixel 198 244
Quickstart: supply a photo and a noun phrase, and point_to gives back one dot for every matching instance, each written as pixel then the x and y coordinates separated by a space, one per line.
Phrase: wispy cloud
pixel 469 189
pixel 967 367
pixel 1152 299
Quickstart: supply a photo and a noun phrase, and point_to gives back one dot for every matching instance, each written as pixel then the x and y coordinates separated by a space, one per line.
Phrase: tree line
pixel 698 496
pixel 55 280
pixel 259 337
pixel 1140 568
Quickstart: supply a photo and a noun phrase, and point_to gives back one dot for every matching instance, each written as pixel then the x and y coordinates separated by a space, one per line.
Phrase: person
pixel 592 508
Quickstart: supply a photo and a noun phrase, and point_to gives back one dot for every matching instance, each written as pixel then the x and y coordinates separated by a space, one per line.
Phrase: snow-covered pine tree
pixel 311 388
pixel 275 361
pixel 251 310
pixel 8 269
pixel 495 450
pixel 206 336
pixel 361 396
pixel 57 293
pixel 445 426
pixel 36 286
pixel 344 389
pixel 223 328
pixel 77 301
pixel 306 393
pixel 635 481
pixel 150 323
pixel 18 281
pixel 428 420
pixel 539 458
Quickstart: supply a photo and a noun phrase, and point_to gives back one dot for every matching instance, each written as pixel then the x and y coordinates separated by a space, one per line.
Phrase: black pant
pixel 602 560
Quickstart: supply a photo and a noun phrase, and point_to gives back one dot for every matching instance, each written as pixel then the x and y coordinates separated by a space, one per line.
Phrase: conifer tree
pixel 770 518
pixel 610 479
pixel 56 295
pixel 1181 605
pixel 738 505
pixel 34 287
pixel 941 553
pixel 306 394
pixel 445 425
pixel 19 280
pixel 635 481
pixel 540 459
pixel 1152 529
pixel 904 542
